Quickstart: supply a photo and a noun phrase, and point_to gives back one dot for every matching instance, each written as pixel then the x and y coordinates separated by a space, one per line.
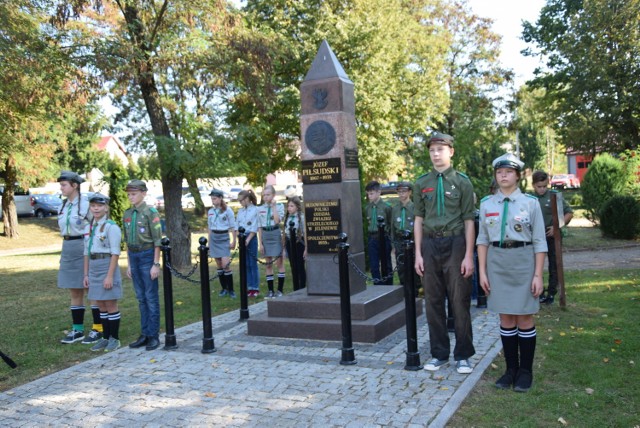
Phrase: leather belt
pixel 270 228
pixel 510 244
pixel 219 232
pixel 444 234
pixel 72 238
pixel 138 248
pixel 100 256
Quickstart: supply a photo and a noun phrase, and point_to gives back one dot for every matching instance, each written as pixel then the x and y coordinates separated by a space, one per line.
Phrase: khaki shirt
pixel 523 221
pixel 382 208
pixel 545 205
pixel 402 218
pixel 142 226
pixel 103 237
pixel 458 201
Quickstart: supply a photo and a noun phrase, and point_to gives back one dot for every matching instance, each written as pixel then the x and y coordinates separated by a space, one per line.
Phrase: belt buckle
pixel 509 244
pixel 439 234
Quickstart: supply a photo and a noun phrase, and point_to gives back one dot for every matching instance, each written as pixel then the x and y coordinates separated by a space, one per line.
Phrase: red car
pixel 565 181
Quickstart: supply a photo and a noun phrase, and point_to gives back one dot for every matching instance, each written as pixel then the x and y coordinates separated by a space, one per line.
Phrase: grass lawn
pixel 586 365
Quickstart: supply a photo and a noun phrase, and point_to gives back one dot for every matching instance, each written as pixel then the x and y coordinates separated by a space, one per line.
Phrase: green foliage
pixel 117 177
pixel 631 161
pixel 591 50
pixel 576 200
pixel 605 178
pixel 620 217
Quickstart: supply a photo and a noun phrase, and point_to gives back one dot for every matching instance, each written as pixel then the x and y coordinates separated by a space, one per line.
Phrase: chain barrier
pixel 263 262
pixel 233 256
pixel 367 278
pixel 187 276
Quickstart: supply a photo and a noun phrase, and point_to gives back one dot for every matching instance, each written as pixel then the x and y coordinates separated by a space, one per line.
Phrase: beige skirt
pixel 510 272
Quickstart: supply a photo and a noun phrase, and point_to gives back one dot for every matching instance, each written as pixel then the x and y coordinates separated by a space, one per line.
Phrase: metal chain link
pixel 367 278
pixel 265 262
pixel 233 256
pixel 187 276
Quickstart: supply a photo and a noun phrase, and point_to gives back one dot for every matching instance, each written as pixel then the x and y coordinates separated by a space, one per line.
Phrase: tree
pixel 591 50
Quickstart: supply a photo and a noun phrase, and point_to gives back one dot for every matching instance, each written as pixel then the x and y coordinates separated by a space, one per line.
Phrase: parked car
pixel 22 199
pixel 46 205
pixel 233 193
pixel 565 181
pixel 188 201
pixel 389 188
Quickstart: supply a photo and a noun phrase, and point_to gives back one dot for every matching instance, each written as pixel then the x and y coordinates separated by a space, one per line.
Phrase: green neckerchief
pixel 440 197
pixel 93 231
pixel 132 230
pixel 374 218
pixel 403 213
pixel 505 212
pixel 68 215
pixel 268 215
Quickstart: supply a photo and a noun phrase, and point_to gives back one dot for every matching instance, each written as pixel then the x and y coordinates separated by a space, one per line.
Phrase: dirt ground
pixel 612 258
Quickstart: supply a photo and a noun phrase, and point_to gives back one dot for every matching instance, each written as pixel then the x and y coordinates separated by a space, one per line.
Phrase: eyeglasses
pixel 403 191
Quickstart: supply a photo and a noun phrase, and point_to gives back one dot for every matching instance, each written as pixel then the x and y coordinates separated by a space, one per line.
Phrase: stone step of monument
pixel 364 305
pixel 369 330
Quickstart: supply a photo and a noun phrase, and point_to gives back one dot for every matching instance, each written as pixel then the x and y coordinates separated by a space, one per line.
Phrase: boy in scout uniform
pixel 375 208
pixel 444 235
pixel 542 192
pixel 402 218
pixel 142 233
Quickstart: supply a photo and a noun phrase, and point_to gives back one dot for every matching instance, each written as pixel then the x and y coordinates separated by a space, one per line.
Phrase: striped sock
pixel 527 343
pixel 270 282
pixel 228 277
pixel 114 325
pixel 104 317
pixel 77 317
pixel 97 322
pixel 280 281
pixel 509 338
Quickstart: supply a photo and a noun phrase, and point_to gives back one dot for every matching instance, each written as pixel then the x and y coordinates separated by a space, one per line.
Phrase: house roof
pixel 102 144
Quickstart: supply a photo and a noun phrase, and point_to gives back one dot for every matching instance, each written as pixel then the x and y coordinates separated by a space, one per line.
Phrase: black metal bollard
pixel 413 356
pixel 348 356
pixel 207 330
pixel 382 251
pixel 293 256
pixel 167 286
pixel 244 304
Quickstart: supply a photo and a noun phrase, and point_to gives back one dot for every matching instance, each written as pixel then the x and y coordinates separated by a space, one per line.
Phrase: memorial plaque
pixel 320 137
pixel 319 171
pixel 350 158
pixel 322 219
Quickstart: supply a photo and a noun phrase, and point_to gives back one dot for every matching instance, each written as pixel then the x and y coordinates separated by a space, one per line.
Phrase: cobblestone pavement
pixel 253 381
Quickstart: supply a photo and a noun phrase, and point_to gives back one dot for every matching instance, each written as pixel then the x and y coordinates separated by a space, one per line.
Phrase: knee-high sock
pixel 97 322
pixel 114 325
pixel 221 278
pixel 228 276
pixel 280 281
pixel 527 343
pixel 77 317
pixel 106 332
pixel 509 337
pixel 270 282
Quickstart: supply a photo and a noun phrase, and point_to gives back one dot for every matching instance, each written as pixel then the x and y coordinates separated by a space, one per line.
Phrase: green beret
pixel 71 177
pixel 440 138
pixel 136 185
pixel 99 198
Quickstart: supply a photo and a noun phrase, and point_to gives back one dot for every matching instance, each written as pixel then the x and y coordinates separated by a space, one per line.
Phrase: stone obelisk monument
pixel 332 205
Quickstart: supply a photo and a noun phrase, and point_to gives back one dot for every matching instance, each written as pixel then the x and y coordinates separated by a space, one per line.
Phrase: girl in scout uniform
pixel 248 218
pixel 101 272
pixel 296 216
pixel 221 222
pixel 73 220
pixel 269 215
pixel 511 251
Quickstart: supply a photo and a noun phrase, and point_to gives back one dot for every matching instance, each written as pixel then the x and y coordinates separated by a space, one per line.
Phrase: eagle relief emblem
pixel 320 98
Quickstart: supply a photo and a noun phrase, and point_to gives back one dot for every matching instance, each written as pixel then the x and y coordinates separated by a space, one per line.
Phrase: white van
pixel 22 199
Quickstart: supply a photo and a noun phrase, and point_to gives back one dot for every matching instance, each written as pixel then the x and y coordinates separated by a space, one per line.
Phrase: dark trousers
pixel 375 257
pixel 297 265
pixel 442 259
pixel 553 267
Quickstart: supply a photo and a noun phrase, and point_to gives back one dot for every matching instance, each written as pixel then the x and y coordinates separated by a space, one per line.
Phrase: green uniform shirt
pixel 456 201
pixel 383 209
pixel 545 205
pixel 401 219
pixel 142 226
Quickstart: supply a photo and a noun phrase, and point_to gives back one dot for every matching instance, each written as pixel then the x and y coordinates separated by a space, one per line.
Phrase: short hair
pixel 539 176
pixel 372 186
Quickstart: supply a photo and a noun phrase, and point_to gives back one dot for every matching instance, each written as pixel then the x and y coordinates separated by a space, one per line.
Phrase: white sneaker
pixel 434 364
pixel 463 367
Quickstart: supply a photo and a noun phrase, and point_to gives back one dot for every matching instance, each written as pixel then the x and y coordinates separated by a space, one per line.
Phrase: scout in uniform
pixel 444 235
pixel 402 218
pixel 374 209
pixel 248 218
pixel 543 193
pixel 270 214
pixel 511 246
pixel 101 272
pixel 73 219
pixel 143 233
pixel 221 222
pixel 295 219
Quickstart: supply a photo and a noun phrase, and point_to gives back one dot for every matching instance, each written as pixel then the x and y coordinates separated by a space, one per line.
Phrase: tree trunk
pixel 199 209
pixel 9 213
pixel 177 226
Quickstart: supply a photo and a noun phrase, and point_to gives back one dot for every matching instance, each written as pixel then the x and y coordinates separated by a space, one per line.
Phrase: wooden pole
pixel 557 241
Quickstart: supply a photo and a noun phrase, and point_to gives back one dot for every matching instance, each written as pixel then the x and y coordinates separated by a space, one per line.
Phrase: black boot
pixel 152 343
pixel 507 380
pixel 142 340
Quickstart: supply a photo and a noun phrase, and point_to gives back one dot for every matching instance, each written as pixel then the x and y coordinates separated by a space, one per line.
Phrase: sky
pixel 508 16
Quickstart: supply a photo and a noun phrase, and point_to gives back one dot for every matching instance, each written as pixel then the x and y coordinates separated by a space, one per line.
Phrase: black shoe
pixel 142 340
pixel 152 343
pixel 507 379
pixel 549 300
pixel 523 382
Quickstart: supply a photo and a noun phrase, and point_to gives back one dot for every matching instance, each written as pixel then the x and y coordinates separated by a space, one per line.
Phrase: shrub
pixel 605 178
pixel 620 217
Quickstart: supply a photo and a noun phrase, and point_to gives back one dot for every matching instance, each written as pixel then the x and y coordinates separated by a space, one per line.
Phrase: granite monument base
pixel 376 312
